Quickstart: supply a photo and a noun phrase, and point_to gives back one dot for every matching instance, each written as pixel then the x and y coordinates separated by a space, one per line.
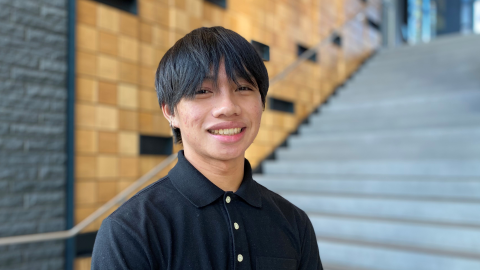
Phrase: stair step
pixel 419 167
pixel 384 124
pixel 435 188
pixel 349 95
pixel 457 150
pixel 453 239
pixel 361 255
pixel 458 98
pixel 387 207
pixel 413 87
pixel 386 136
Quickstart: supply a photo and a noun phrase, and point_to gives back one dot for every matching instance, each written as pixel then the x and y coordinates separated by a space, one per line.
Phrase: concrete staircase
pixel 389 170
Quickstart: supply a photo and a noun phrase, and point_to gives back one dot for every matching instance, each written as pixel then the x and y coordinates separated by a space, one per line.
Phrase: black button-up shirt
pixel 184 221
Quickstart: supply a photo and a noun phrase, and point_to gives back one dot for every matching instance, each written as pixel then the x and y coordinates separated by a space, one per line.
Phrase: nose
pixel 226 105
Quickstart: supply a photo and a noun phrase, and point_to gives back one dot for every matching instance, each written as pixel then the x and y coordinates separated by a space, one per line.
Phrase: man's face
pixel 221 122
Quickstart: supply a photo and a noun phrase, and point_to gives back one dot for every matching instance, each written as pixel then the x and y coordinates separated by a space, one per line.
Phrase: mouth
pixel 226 131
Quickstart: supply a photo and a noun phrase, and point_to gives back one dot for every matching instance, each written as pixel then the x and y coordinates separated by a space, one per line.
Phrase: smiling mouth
pixel 226 131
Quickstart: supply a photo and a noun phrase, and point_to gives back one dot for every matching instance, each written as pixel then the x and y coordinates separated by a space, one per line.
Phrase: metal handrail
pixel 122 196
pixel 119 198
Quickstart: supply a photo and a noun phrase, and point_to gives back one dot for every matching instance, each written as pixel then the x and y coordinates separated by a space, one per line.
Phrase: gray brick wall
pixel 33 53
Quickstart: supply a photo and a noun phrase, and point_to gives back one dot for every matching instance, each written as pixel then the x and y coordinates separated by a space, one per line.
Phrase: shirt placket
pixel 241 254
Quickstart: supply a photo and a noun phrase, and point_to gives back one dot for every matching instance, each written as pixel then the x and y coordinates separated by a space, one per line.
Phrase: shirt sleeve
pixel 117 248
pixel 310 258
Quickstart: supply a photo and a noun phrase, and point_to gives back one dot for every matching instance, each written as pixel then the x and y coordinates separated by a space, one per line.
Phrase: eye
pixel 201 91
pixel 244 88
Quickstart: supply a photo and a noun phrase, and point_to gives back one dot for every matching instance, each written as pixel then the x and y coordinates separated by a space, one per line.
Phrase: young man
pixel 208 212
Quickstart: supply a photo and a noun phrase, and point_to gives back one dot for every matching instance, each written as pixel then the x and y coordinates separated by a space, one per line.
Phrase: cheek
pixel 256 114
pixel 191 119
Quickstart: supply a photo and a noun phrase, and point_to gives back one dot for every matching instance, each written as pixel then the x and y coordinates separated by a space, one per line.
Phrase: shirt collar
pixel 200 191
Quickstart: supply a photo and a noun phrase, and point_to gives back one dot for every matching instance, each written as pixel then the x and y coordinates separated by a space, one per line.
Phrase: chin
pixel 227 153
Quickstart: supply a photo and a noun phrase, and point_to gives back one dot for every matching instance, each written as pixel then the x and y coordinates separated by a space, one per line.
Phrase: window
pixel 337 39
pixel 373 24
pixel 220 3
pixel 301 49
pixel 84 244
pixel 281 105
pixel 155 145
pixel 262 49
pixel 125 5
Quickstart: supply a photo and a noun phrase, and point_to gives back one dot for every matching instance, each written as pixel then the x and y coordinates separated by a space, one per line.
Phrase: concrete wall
pixel 33 48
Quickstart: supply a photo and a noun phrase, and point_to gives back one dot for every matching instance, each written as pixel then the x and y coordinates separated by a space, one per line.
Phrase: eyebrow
pixel 209 77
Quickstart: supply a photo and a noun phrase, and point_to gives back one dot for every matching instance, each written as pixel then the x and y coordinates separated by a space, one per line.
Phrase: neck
pixel 225 174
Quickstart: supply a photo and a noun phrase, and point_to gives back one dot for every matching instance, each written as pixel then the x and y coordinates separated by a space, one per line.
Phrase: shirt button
pixel 228 200
pixel 240 257
pixel 236 226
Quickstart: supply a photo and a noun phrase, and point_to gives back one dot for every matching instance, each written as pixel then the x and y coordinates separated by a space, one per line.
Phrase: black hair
pixel 198 54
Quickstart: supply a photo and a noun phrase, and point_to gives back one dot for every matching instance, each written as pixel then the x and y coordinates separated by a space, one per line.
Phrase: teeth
pixel 227 131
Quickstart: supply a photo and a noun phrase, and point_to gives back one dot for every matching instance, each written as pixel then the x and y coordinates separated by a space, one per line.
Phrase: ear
pixel 168 114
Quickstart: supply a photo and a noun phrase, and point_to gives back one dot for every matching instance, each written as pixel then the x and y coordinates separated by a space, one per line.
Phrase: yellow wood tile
pixel 147 57
pixel 123 184
pixel 179 20
pixel 85 193
pixel 159 53
pixel 148 100
pixel 128 120
pixel 85 166
pixel 129 72
pixel 180 4
pixel 146 164
pixel 160 37
pixel 107 117
pixel 128 48
pixel 86 63
pixel 146 10
pixel 86 89
pixel 241 6
pixel 128 96
pixel 85 115
pixel 108 18
pixel 107 43
pixel 244 27
pixel 145 32
pixel 106 190
pixel 108 67
pixel 86 12
pixel 107 93
pixel 83 263
pixel 145 121
pixel 162 15
pixel 195 22
pixel 278 136
pixel 147 76
pixel 107 167
pixel 81 213
pixel 86 37
pixel 107 142
pixel 85 141
pixel 129 167
pixel 128 143
pixel 161 125
pixel 129 25
pixel 194 8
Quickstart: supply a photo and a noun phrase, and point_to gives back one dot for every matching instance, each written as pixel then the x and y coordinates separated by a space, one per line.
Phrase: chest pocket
pixel 270 263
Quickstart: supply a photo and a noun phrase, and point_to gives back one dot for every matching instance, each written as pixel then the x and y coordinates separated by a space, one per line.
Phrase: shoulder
pixel 149 204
